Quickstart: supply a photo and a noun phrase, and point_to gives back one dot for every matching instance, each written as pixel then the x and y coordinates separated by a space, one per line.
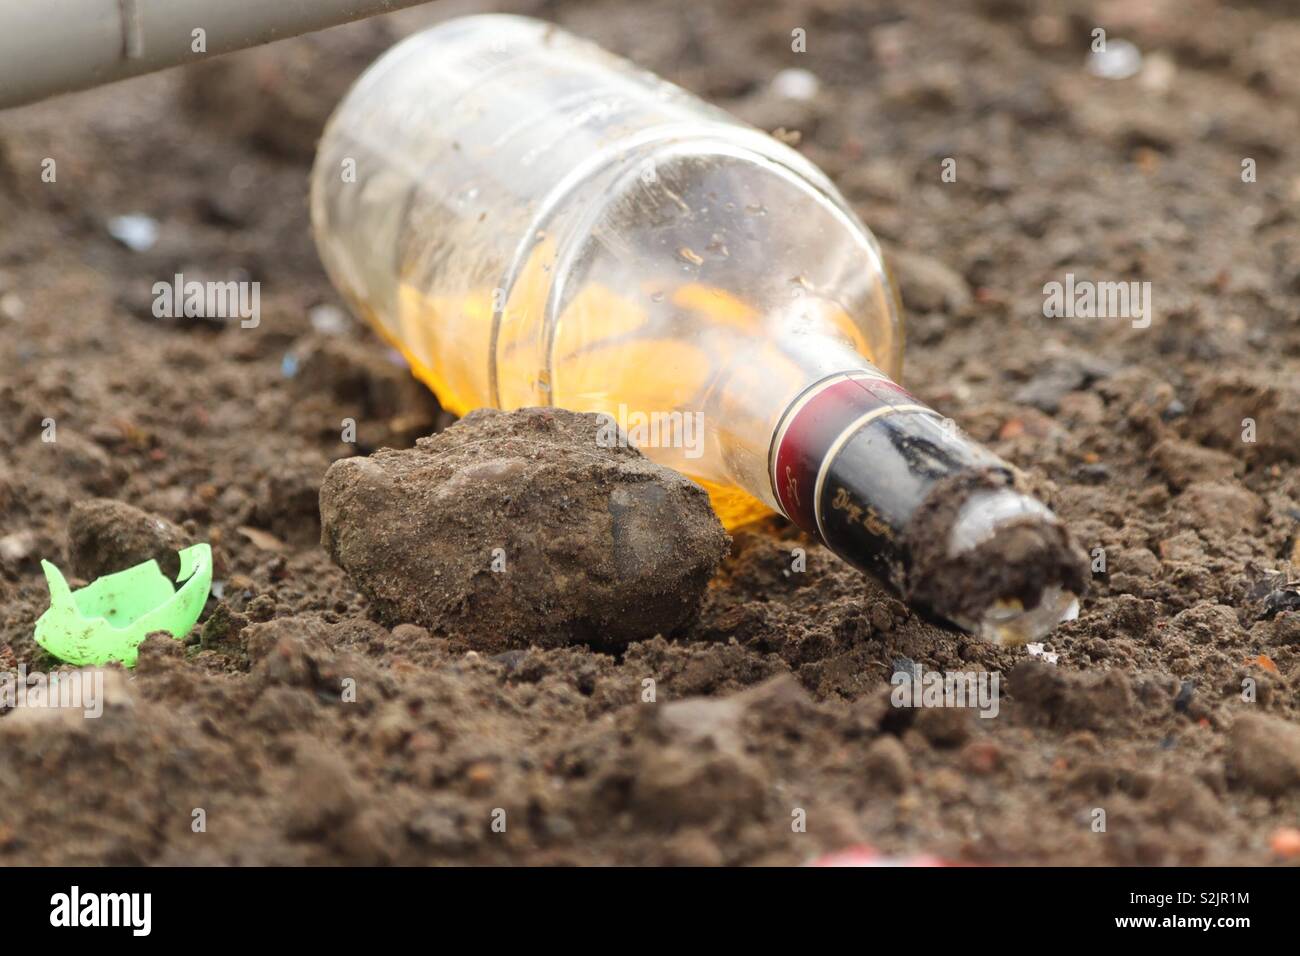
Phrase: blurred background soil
pixel 778 698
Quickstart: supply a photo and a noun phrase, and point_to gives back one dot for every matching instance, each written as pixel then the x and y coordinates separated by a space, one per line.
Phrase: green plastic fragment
pixel 106 620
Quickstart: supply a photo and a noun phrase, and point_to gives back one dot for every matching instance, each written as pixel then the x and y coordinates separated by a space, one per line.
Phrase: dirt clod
pixel 1264 754
pixel 1072 701
pixel 887 764
pixel 105 536
pixel 515 528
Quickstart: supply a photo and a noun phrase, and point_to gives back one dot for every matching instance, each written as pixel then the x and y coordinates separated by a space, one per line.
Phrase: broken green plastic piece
pixel 107 619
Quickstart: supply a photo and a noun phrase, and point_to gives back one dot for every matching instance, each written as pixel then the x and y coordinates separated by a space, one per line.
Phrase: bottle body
pixel 533 221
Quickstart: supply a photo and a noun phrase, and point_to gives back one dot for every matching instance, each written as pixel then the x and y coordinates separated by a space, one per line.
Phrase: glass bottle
pixel 533 221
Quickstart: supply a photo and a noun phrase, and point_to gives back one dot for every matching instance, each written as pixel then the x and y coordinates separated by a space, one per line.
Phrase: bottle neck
pixel 894 488
pixel 854 456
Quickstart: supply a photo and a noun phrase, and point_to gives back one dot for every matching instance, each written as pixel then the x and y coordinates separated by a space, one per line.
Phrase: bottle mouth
pixel 1007 623
pixel 1035 581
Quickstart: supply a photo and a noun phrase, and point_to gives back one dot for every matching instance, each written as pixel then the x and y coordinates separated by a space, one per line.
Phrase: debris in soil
pixel 105 536
pixel 1285 842
pixel 870 856
pixel 1047 390
pixel 516 528
pixel 1280 600
pixel 109 618
pixel 1040 651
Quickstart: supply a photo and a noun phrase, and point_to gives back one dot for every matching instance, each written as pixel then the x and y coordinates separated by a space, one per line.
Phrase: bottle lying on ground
pixel 534 221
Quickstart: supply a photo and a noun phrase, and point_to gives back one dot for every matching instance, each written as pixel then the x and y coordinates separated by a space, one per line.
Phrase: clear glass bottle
pixel 534 221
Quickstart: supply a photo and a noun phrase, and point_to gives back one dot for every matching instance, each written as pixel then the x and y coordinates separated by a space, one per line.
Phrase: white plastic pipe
pixel 55 46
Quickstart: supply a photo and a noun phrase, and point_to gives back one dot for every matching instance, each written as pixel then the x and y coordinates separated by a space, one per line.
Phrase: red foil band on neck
pixel 811 427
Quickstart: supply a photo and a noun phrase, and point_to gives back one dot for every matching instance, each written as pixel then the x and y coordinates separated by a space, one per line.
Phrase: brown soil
pixel 777 698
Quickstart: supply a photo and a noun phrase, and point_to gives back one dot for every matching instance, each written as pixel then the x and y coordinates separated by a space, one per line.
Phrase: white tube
pixel 56 46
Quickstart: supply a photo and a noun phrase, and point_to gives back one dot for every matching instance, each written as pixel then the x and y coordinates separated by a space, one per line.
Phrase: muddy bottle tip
pixel 1010 571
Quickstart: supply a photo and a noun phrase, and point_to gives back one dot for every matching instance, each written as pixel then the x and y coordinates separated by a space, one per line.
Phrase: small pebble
pixel 795 84
pixel 1286 598
pixel 1264 754
pixel 1039 651
pixel 17 546
pixel 136 231
pixel 12 307
pixel 329 319
pixel 887 763
pixel 981 757
pixel 1118 61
